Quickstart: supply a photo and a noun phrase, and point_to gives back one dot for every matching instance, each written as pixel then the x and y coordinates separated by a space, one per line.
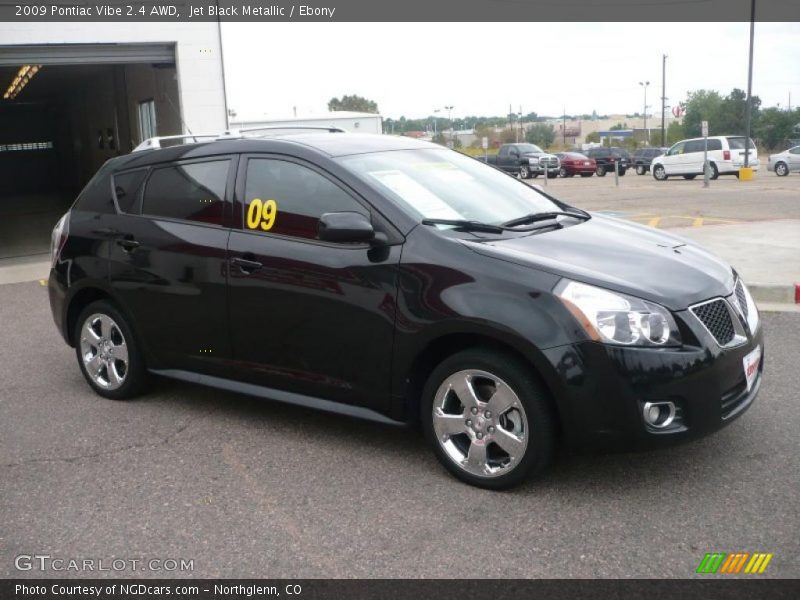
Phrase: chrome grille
pixel 716 317
pixel 549 161
pixel 741 299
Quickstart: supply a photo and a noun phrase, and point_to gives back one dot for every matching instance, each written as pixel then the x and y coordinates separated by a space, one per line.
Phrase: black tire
pixel 689 176
pixel 524 172
pixel 622 172
pixel 135 379
pixel 587 174
pixel 601 171
pixel 659 173
pixel 781 169
pixel 563 172
pixel 714 171
pixel 640 170
pixel 539 416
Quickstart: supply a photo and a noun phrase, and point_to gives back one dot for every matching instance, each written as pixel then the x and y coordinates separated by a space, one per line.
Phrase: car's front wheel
pixel 781 170
pixel 640 170
pixel 488 418
pixel 524 172
pixel 108 354
pixel 563 172
pixel 601 171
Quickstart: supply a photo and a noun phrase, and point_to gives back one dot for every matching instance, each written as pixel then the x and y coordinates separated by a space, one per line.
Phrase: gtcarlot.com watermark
pixel 47 563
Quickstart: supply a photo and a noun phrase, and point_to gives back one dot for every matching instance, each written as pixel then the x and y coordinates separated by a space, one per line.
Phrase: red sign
pixel 678 110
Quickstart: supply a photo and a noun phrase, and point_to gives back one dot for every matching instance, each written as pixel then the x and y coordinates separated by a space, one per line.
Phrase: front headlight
pixel 614 318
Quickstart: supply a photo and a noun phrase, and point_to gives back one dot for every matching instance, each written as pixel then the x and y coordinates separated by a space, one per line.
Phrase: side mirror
pixel 345 227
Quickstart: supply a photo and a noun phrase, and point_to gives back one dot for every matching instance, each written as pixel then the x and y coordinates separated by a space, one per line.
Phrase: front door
pixel 308 316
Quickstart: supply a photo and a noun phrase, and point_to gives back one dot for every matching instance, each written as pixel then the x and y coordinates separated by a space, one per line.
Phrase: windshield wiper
pixel 465 224
pixel 545 216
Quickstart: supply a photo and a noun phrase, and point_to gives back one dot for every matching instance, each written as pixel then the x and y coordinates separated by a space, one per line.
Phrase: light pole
pixel 749 86
pixel 449 110
pixel 663 98
pixel 435 110
pixel 644 85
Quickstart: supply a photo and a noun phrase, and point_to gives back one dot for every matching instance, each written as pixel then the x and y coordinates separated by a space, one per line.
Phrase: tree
pixel 774 127
pixel 725 115
pixel 540 134
pixel 675 133
pixel 354 103
pixel 593 138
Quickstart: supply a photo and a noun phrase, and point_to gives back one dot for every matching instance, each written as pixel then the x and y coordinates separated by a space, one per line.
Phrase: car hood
pixel 622 256
pixel 538 154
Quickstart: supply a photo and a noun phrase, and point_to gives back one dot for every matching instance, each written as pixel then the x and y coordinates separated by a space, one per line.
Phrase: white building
pixel 101 89
pixel 355 122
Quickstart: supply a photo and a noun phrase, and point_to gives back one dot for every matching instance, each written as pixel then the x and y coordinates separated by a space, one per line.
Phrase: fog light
pixel 658 414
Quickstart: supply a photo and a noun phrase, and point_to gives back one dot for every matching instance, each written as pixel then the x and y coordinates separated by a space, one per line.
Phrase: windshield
pixel 528 148
pixel 443 184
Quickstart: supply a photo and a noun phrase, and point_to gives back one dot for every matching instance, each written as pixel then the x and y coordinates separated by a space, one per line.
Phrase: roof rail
pixel 155 142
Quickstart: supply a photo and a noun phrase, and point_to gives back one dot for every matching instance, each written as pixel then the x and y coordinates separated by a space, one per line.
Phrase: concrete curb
pixel 774 294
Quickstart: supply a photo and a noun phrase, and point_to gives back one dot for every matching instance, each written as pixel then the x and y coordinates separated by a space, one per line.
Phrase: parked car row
pixel 725 155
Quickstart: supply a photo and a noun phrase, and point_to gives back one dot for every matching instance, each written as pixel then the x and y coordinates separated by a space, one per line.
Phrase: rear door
pixel 737 148
pixel 307 316
pixel 168 259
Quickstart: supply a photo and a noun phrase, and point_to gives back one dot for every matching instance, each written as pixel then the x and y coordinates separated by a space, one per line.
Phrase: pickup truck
pixel 524 160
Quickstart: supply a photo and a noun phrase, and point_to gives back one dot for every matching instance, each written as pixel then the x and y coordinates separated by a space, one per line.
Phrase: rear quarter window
pixel 127 188
pixel 96 196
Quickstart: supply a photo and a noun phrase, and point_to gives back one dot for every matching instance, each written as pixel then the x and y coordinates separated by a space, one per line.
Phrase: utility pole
pixel 449 110
pixel 750 85
pixel 564 128
pixel 663 99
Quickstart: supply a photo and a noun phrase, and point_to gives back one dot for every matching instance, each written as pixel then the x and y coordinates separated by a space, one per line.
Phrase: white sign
pixel 484 142
pixel 704 125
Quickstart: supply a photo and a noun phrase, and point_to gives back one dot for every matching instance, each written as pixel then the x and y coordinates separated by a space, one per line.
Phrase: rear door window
pixel 191 192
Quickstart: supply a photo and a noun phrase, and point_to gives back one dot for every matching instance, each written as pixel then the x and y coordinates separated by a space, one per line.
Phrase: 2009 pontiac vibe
pixel 399 281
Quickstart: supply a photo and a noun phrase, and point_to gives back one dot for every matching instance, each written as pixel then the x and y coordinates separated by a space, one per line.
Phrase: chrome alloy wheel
pixel 104 351
pixel 480 423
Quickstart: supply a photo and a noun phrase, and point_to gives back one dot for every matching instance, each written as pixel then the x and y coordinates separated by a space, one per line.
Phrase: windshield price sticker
pixel 261 214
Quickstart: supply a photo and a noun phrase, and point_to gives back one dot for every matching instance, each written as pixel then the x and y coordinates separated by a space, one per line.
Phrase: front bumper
pixel 603 389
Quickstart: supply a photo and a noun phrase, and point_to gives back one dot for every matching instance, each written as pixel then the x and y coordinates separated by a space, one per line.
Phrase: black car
pixel 606 158
pixel 399 281
pixel 643 157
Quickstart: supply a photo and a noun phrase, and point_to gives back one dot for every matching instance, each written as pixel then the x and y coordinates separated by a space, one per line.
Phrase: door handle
pixel 128 244
pixel 246 266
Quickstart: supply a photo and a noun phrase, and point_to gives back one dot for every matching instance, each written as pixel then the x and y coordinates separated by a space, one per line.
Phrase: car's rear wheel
pixel 714 171
pixel 524 172
pixel 640 170
pixel 622 172
pixel 659 173
pixel 488 418
pixel 781 169
pixel 108 353
pixel 601 171
pixel 563 172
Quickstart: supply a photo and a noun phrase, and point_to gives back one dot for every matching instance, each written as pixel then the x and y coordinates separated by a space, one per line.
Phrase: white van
pixel 725 155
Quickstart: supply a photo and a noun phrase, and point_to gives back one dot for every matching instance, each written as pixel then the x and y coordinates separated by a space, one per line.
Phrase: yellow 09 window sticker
pixel 261 214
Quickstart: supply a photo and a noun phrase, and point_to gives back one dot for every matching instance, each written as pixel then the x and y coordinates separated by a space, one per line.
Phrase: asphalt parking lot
pixel 250 488
pixel 678 202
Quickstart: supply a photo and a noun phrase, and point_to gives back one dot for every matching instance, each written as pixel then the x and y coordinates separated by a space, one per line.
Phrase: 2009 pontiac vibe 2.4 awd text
pixel 395 280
